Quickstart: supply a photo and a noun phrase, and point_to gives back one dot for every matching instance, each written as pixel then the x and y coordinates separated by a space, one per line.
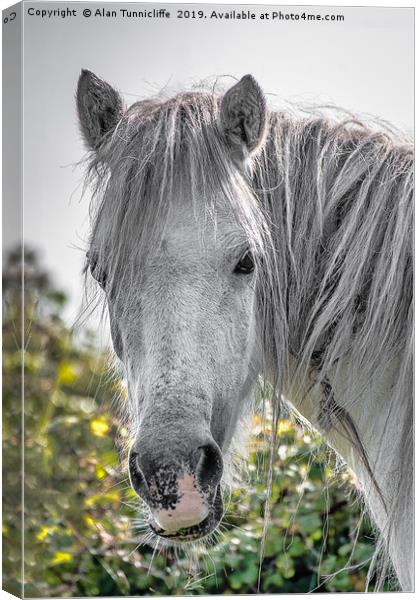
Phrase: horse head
pixel 177 245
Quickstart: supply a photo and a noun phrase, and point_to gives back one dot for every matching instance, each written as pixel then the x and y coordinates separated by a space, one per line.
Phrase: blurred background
pixel 81 536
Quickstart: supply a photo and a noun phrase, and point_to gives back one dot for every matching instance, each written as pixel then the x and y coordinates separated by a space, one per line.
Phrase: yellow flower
pixel 61 557
pixel 284 426
pixel 100 472
pixel 66 373
pixel 99 426
pixel 89 521
pixel 42 534
pixel 98 498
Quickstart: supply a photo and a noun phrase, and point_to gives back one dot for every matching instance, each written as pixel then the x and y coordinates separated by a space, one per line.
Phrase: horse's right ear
pixel 99 107
pixel 243 117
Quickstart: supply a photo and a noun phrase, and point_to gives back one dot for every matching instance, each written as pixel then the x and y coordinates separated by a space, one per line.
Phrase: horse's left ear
pixel 243 116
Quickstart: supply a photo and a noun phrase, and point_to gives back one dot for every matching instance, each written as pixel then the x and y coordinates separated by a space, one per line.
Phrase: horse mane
pixel 328 211
pixel 339 191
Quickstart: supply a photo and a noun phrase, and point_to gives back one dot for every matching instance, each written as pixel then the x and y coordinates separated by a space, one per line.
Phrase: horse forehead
pixel 189 230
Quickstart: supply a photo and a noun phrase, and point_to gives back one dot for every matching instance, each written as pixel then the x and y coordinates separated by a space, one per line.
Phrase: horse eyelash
pixel 98 273
pixel 246 264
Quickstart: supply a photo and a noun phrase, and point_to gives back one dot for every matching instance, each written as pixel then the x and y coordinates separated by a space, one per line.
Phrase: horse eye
pixel 246 265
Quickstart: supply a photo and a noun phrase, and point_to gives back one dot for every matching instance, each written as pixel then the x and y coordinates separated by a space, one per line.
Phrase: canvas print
pixel 207 299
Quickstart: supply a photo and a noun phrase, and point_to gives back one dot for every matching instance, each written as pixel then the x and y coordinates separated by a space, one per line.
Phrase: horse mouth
pixel 195 532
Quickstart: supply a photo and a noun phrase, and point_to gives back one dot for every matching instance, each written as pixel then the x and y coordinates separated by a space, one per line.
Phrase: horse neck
pixel 385 480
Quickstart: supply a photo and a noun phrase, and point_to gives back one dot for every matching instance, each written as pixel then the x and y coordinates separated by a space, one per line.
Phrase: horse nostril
pixel 137 479
pixel 210 466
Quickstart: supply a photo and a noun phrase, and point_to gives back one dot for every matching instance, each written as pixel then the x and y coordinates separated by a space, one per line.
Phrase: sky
pixel 364 64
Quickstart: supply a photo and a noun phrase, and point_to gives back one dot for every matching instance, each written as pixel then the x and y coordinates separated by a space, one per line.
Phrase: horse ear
pixel 243 116
pixel 99 108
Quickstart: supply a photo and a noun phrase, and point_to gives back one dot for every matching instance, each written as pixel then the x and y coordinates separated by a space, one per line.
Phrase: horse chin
pixel 195 532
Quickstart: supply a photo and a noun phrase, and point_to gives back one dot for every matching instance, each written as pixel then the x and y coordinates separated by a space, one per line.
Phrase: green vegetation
pixel 79 536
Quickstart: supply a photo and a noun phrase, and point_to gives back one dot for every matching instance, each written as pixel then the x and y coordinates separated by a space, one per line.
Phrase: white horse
pixel 233 241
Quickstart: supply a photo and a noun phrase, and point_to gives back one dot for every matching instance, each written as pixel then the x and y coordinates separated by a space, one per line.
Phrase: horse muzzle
pixel 195 531
pixel 182 491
